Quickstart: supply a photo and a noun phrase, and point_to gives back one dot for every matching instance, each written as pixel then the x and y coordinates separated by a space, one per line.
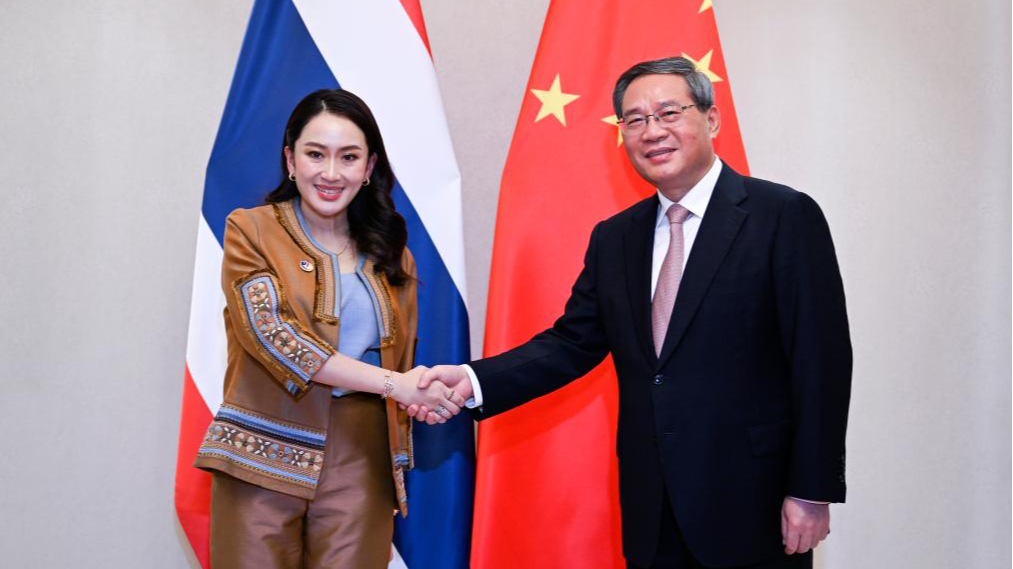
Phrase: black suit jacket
pixel 748 401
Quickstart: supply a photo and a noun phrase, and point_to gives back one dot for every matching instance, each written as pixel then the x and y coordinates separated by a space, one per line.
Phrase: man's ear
pixel 714 120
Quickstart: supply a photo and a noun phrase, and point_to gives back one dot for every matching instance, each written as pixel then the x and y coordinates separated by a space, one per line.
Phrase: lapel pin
pixel 306 265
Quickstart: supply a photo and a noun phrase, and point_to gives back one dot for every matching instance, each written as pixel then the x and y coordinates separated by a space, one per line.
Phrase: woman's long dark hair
pixel 376 227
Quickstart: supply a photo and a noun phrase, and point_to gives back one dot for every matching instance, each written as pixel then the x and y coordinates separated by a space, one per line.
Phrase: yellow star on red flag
pixel 614 121
pixel 704 65
pixel 706 4
pixel 553 101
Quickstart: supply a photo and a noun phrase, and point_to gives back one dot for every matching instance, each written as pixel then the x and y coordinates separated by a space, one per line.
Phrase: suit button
pixel 659 379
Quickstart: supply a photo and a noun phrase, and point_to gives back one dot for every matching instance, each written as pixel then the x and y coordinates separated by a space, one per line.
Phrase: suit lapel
pixel 638 248
pixel 720 225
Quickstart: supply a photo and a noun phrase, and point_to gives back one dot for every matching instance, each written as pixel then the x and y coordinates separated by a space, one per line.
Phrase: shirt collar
pixel 696 199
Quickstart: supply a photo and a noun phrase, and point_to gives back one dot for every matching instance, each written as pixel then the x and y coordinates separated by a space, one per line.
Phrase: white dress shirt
pixel 695 200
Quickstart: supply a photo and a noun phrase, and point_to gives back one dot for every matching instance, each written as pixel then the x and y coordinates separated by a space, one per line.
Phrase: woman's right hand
pixel 436 396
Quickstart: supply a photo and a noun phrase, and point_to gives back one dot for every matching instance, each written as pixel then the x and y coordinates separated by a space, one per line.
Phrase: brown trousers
pixel 348 524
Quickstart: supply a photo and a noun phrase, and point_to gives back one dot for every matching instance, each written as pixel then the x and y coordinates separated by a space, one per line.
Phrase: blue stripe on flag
pixel 437 531
pixel 279 65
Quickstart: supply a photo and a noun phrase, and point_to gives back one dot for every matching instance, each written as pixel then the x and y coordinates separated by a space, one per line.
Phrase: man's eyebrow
pixel 660 105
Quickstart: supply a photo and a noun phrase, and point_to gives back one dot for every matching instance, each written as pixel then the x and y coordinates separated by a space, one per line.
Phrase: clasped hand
pixel 441 402
pixel 452 378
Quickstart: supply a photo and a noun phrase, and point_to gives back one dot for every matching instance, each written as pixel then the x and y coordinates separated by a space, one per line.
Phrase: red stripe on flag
pixel 193 486
pixel 547 484
pixel 414 11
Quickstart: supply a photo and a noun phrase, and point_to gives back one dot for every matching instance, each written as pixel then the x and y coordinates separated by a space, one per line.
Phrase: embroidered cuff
pixel 292 351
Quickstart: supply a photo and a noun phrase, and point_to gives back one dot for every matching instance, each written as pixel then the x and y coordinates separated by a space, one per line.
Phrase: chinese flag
pixel 547 491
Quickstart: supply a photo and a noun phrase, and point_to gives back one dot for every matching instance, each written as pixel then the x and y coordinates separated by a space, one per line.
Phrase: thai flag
pixel 379 51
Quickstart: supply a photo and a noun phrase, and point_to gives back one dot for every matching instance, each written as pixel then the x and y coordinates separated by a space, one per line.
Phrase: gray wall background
pixel 894 115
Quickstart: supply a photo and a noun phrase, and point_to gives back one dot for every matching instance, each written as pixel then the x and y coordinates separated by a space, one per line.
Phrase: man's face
pixel 671 156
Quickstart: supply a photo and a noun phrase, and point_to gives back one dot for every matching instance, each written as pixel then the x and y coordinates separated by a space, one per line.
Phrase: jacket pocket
pixel 769 438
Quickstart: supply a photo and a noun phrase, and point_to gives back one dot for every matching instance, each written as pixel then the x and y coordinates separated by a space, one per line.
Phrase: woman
pixel 309 449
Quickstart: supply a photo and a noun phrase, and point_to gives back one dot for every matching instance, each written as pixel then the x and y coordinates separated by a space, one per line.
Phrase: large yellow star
pixel 703 66
pixel 553 101
pixel 612 120
pixel 706 4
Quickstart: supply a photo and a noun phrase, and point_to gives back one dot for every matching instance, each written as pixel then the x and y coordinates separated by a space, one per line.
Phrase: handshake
pixel 433 395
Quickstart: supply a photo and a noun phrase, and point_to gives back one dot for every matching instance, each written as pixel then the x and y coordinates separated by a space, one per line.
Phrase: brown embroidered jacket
pixel 282 324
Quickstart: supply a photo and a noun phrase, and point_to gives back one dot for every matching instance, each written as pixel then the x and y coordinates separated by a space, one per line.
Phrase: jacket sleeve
pixel 400 424
pixel 259 313
pixel 572 347
pixel 409 306
pixel 814 332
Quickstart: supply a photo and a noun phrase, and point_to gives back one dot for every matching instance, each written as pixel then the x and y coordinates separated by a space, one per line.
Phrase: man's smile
pixel 658 153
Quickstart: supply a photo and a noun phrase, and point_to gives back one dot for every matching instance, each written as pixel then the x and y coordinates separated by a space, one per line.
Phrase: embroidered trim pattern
pixel 323 302
pixel 295 352
pixel 399 488
pixel 411 444
pixel 378 282
pixel 253 421
pixel 265 446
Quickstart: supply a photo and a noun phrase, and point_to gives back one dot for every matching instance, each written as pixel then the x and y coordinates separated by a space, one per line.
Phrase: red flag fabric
pixel 547 491
pixel 193 487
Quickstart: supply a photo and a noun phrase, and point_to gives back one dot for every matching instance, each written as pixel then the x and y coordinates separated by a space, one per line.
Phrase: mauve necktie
pixel 669 277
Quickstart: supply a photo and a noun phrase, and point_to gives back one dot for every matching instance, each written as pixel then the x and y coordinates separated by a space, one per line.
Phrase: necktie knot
pixel 676 213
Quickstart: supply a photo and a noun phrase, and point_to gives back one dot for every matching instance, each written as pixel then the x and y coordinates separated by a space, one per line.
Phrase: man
pixel 721 302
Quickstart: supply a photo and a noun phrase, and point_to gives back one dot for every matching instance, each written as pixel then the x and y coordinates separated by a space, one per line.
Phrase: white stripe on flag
pixel 396 562
pixel 380 57
pixel 206 352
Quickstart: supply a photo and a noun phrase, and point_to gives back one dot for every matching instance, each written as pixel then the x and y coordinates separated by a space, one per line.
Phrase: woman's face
pixel 330 161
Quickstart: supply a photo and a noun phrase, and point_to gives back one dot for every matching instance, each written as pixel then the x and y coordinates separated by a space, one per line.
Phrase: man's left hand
pixel 803 524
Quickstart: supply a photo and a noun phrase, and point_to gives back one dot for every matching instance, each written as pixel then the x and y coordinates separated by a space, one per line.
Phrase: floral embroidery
pixel 251 441
pixel 297 352
pixel 302 458
pixel 261 447
pixel 223 434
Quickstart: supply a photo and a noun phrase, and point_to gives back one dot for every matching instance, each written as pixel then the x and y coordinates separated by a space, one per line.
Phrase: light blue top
pixel 359 335
pixel 356 307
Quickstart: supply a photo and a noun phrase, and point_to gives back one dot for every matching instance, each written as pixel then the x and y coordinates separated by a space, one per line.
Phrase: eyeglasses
pixel 665 115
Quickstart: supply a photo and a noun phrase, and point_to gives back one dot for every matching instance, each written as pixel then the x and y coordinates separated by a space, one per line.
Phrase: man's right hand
pixel 454 377
pixel 434 395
